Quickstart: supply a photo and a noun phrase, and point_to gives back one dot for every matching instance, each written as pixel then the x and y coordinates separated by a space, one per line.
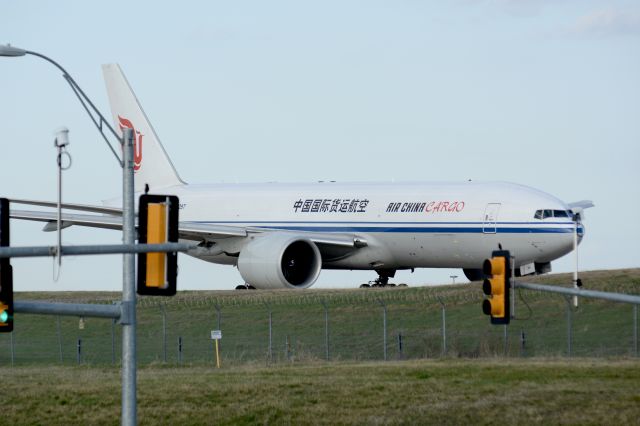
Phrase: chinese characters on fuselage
pixel 327 205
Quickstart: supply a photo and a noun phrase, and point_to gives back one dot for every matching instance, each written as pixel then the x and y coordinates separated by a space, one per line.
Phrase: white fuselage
pixel 406 225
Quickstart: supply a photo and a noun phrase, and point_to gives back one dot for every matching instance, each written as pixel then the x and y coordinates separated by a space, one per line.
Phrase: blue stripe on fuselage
pixel 445 230
pixel 487 229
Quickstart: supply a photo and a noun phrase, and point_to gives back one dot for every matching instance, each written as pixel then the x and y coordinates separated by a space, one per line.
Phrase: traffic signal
pixel 6 297
pixel 157 224
pixel 6 272
pixel 496 285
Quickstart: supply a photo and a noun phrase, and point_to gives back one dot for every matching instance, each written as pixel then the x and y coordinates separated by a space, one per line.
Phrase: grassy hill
pixel 355 317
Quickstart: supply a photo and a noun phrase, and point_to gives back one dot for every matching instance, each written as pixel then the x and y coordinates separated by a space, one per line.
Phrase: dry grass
pixel 543 391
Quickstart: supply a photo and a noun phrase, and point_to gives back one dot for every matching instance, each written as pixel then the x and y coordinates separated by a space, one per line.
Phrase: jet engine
pixel 473 274
pixel 279 260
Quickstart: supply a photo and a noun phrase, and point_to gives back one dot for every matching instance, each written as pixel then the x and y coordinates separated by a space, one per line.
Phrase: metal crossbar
pixel 614 297
pixel 70 309
pixel 44 251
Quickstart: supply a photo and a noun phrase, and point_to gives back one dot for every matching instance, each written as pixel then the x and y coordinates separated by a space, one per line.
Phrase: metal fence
pixel 373 325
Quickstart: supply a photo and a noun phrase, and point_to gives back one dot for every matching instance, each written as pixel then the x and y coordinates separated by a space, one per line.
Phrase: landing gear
pixel 245 287
pixel 383 279
pixel 381 283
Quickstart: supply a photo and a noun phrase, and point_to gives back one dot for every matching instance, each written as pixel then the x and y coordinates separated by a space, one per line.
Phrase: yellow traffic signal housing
pixel 157 224
pixel 496 285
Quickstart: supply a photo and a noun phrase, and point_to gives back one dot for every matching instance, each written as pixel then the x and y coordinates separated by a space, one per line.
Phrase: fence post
pixel 635 330
pixel 384 327
pixel 506 340
pixel 270 354
pixel 569 326
pixel 444 327
pixel 59 332
pixel 288 348
pixel 401 356
pixel 113 341
pixel 326 329
pixel 522 343
pixel 13 349
pixel 79 352
pixel 164 332
pixel 218 315
pixel 179 350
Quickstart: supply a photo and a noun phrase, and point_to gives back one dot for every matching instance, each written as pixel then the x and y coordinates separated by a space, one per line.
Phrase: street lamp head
pixel 8 50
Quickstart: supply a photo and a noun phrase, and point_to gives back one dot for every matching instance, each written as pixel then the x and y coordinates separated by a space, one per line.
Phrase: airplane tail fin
pixel 152 165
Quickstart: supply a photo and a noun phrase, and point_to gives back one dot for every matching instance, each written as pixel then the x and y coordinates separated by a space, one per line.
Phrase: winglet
pixel 581 205
pixel 578 207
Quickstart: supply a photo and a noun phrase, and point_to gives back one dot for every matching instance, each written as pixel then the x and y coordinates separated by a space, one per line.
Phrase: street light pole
pixel 128 310
pixel 129 414
pixel 100 122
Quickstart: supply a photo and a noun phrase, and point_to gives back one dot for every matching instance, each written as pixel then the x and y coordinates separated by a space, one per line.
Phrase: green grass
pixel 600 329
pixel 488 391
pixel 474 382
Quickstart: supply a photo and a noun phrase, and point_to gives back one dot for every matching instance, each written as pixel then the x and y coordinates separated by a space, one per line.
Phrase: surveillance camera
pixel 62 137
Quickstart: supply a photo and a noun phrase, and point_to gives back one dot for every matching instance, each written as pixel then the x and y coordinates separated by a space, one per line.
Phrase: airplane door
pixel 490 218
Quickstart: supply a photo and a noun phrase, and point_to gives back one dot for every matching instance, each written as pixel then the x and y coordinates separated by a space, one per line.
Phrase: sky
pixel 543 93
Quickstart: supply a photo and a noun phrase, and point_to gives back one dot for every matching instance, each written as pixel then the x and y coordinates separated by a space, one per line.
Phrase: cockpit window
pixel 543 214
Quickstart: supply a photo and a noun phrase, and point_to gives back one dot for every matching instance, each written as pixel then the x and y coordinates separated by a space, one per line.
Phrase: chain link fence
pixel 287 327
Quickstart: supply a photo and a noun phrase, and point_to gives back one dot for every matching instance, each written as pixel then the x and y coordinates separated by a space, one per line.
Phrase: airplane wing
pixel 187 230
pixel 71 206
pixel 330 244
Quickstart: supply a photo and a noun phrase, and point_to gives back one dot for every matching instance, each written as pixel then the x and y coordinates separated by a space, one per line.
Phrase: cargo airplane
pixel 280 236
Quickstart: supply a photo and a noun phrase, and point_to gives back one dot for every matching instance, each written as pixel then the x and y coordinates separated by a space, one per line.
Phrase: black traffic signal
pixel 157 224
pixel 6 272
pixel 496 285
pixel 6 297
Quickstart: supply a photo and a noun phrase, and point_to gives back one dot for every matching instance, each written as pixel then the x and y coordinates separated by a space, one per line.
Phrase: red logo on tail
pixel 137 142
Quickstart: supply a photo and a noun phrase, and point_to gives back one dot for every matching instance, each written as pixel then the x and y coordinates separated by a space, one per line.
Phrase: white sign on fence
pixel 216 334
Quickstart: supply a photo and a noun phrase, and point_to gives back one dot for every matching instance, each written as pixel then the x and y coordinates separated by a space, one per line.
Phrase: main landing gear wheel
pixel 245 287
pixel 383 279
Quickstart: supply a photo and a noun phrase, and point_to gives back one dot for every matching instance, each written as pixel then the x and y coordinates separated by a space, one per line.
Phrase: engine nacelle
pixel 278 260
